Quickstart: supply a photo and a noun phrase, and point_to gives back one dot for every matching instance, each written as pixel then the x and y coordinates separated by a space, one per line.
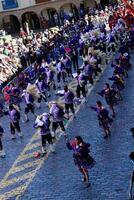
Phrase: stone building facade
pixel 40 13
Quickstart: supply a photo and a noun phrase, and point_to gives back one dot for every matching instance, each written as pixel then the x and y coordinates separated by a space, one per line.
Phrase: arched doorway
pixel 69 11
pixel 51 15
pixel 32 19
pixel 11 24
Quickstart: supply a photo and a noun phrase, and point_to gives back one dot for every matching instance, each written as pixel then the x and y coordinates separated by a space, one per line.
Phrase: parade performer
pixel 14 121
pixel 82 159
pixel 68 100
pixel 33 90
pixel 6 95
pixel 50 78
pixel 88 72
pixel 118 84
pixel 57 114
pixel 103 118
pixel 43 87
pixel 60 72
pixel 29 101
pixel 81 83
pixel 68 65
pixel 42 123
pixel 110 97
pixel 14 93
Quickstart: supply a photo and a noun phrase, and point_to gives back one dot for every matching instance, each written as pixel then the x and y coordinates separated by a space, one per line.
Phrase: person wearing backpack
pixel 2 152
pixel 14 122
pixel 68 100
pixel 57 114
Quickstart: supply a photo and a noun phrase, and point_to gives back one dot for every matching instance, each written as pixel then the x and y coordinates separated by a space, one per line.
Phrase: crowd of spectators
pixel 73 38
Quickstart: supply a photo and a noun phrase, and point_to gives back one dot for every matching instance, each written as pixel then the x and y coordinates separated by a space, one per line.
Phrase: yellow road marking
pixel 32 146
pixel 16 179
pixel 74 84
pixel 14 192
pixel 19 157
pixel 36 136
pixel 23 167
pixel 26 156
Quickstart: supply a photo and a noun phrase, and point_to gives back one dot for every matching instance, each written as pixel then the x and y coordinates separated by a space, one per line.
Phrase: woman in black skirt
pixel 110 97
pixel 81 156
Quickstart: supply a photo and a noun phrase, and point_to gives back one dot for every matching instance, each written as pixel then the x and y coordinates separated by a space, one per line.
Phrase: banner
pixel 9 4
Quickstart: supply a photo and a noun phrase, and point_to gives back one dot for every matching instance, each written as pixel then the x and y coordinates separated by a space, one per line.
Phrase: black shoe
pixel 54 139
pixel 13 138
pixel 84 179
pixel 105 136
pixel 43 154
pixel 113 116
pixel 88 185
pixel 3 156
pixel 27 120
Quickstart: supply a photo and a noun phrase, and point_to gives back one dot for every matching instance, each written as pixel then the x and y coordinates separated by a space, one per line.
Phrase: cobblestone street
pixel 56 177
